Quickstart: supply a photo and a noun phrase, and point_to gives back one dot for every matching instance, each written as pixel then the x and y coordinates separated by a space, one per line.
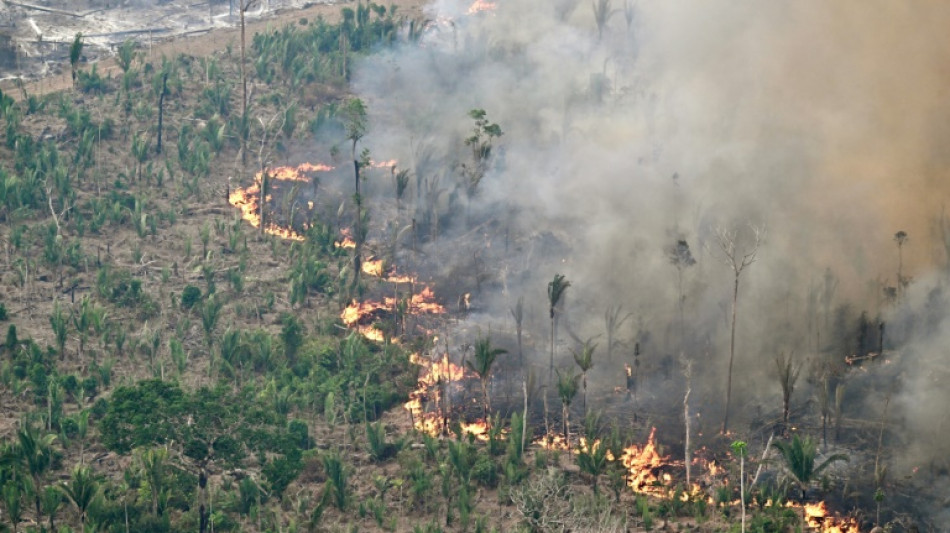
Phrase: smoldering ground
pixel 823 124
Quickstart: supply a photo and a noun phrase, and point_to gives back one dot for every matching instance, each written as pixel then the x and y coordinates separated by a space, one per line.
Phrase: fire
pixel 248 199
pixel 287 173
pixel 481 5
pixel 361 316
pixel 642 464
pixel 553 441
pixel 373 267
pixel 478 428
pixel 435 375
pixel 383 164
pixel 817 517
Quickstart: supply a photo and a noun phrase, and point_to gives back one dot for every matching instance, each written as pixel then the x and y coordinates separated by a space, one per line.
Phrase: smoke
pixel 822 123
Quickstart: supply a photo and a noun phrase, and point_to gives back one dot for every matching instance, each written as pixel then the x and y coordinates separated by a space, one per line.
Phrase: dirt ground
pixel 204 43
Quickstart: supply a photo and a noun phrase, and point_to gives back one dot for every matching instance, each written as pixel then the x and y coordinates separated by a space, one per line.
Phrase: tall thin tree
pixel 355 124
pixel 736 258
pixel 517 312
pixel 901 239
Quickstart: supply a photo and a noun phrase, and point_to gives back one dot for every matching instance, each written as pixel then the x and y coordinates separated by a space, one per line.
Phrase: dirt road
pixel 205 43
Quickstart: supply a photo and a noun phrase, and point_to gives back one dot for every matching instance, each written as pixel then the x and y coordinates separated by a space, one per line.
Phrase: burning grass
pixel 248 199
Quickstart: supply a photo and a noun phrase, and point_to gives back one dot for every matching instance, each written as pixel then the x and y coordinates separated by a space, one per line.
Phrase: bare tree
pixel 944 225
pixel 602 13
pixel 688 374
pixel 244 6
pixel 736 257
pixel 788 373
pixel 517 312
pixel 681 258
pixel 613 319
pixel 901 239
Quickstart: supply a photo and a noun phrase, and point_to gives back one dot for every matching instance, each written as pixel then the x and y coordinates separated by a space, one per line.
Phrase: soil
pixel 202 44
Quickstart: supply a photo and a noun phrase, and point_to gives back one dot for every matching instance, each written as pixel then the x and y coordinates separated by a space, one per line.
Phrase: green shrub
pixel 190 296
pixel 485 471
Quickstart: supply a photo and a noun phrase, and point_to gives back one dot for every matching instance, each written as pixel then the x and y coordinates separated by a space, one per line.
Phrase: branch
pixel 49 198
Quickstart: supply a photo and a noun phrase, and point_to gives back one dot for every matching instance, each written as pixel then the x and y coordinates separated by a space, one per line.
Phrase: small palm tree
pixel 585 361
pixel 485 357
pixel 567 387
pixel 556 289
pixel 210 312
pixel 788 373
pixel 81 489
pixel 75 53
pixel 592 455
pixel 36 454
pixel 59 321
pixel 12 492
pixel 799 456
pixel 517 312
pixel 52 499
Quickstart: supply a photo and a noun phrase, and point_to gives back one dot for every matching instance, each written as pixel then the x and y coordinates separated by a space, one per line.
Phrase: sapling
pixel 739 448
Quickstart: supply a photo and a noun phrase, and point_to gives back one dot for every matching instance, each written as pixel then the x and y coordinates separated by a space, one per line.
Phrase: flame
pixel 641 464
pixel 817 517
pixel 553 441
pixel 383 164
pixel 247 199
pixel 481 5
pixel 361 316
pixel 478 428
pixel 433 376
pixel 393 278
pixel 373 267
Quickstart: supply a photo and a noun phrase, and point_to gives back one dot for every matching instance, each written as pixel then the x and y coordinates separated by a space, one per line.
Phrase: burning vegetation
pixel 249 201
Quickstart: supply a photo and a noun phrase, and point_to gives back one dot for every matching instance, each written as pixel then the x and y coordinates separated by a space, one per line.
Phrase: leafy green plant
pixel 190 296
pixel 379 448
pixel 336 486
pixel 799 456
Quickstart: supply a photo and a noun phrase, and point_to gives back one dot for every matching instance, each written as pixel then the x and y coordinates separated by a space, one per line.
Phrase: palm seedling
pixel 585 361
pixel 800 456
pixel 81 490
pixel 567 387
pixel 556 289
pixel 36 455
pixel 485 357
pixel 787 375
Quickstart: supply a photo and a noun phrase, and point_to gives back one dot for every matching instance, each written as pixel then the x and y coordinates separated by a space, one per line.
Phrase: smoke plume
pixel 820 123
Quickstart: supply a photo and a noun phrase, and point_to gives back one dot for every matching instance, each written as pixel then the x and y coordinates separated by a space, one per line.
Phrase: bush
pixel 485 472
pixel 3 312
pixel 190 296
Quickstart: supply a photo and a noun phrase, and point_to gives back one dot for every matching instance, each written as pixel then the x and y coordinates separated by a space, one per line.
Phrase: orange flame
pixel 383 164
pixel 434 375
pixel 641 464
pixel 817 517
pixel 553 441
pixel 373 267
pixel 248 199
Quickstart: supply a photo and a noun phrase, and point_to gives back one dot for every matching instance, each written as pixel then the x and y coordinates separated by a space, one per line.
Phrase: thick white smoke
pixel 825 123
